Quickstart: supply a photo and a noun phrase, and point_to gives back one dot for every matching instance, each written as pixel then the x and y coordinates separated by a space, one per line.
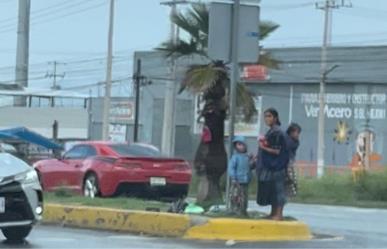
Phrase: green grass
pixel 119 202
pixel 369 192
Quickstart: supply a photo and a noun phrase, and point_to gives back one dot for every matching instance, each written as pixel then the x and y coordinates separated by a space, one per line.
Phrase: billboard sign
pixel 122 111
pixel 220 32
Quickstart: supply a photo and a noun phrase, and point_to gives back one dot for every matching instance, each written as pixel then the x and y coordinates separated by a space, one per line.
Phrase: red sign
pixel 255 73
pixel 122 111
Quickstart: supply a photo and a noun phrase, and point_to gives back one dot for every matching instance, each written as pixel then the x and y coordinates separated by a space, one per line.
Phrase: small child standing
pixel 239 170
pixel 292 143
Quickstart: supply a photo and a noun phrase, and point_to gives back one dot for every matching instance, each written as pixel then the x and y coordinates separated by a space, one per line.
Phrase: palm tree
pixel 211 80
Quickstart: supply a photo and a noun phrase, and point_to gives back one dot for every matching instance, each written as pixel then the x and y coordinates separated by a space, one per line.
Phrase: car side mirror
pixel 59 155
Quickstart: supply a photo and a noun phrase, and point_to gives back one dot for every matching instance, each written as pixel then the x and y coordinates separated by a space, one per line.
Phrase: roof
pixel 355 65
pixel 40 92
pixel 99 142
pixel 22 133
pixel 73 122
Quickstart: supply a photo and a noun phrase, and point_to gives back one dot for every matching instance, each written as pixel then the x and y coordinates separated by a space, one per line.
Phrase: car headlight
pixel 27 177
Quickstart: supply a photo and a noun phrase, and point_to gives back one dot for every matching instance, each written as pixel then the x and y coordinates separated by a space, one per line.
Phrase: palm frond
pixel 195 21
pixel 266 59
pixel 201 15
pixel 201 78
pixel 266 28
pixel 184 21
pixel 245 101
pixel 182 48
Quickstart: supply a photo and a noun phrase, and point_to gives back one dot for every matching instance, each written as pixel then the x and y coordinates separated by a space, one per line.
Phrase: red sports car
pixel 108 169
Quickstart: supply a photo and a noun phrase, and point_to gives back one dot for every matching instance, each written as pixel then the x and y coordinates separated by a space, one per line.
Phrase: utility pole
pixel 54 75
pixel 168 132
pixel 367 139
pixel 137 79
pixel 327 6
pixel 108 86
pixel 22 52
pixel 234 77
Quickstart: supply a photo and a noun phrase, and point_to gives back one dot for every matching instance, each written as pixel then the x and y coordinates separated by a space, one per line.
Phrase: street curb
pixel 160 224
pixel 250 230
pixel 174 225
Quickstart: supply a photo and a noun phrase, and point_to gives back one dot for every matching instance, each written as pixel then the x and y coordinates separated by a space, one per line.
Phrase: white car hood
pixel 11 165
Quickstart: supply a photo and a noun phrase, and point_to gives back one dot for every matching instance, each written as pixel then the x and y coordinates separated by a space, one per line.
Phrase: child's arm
pixel 252 161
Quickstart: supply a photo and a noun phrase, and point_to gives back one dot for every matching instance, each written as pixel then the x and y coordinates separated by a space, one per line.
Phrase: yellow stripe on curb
pixel 249 230
pixel 175 225
pixel 160 224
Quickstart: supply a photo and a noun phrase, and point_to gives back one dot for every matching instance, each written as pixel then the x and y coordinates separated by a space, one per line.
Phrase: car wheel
pixel 90 186
pixel 16 233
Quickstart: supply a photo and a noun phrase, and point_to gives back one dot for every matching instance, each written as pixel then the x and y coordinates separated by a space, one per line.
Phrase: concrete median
pixel 174 225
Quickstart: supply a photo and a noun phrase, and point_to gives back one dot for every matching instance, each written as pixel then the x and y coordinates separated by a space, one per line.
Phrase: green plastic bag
pixel 193 209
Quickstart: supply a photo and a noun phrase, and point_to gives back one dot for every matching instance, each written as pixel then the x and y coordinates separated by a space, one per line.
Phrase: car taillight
pixel 126 164
pixel 182 166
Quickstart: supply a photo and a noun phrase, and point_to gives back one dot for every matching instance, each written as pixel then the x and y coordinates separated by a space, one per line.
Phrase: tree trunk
pixel 211 160
pixel 209 191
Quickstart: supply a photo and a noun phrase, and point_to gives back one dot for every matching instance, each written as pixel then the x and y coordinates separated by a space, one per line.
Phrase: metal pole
pixel 22 52
pixel 137 112
pixel 291 95
pixel 167 143
pixel 321 118
pixel 106 105
pixel 367 161
pixel 330 21
pixel 234 77
pixel 54 82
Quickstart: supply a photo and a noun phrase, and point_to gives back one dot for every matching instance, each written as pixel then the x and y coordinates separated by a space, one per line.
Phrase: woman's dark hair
pixel 293 127
pixel 274 113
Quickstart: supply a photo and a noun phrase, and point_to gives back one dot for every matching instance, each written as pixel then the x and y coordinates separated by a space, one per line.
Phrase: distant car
pixel 109 169
pixel 21 199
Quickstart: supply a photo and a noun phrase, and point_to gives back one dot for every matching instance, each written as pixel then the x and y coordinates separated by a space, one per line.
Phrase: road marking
pixel 57 239
pixel 130 237
pixel 331 238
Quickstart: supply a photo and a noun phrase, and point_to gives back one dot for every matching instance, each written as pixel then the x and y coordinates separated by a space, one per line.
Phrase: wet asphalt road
pixel 350 227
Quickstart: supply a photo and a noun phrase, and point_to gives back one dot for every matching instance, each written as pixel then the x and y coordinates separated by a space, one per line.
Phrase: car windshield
pixel 136 150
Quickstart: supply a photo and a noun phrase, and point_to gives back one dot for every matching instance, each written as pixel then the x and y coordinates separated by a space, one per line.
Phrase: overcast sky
pixel 74 30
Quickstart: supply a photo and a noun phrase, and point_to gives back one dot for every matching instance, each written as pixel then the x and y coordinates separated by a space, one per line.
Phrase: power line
pixel 74 62
pixel 99 83
pixel 9 28
pixel 51 8
pixel 287 6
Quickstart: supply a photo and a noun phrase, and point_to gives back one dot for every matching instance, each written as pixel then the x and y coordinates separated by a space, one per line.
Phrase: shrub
pixel 372 187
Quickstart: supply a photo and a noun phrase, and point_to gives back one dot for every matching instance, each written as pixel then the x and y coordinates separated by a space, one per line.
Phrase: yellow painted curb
pixel 249 230
pixel 175 225
pixel 153 223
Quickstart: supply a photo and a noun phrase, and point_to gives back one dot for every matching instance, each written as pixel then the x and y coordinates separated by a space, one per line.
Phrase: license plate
pixel 2 205
pixel 158 181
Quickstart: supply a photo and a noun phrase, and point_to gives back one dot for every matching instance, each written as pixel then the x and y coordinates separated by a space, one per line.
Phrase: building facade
pixel 355 111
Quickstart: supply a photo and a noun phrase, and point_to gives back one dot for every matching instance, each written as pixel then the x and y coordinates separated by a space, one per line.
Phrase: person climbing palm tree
pixel 211 80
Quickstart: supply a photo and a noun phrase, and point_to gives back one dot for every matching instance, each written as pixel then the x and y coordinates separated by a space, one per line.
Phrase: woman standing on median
pixel 271 171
